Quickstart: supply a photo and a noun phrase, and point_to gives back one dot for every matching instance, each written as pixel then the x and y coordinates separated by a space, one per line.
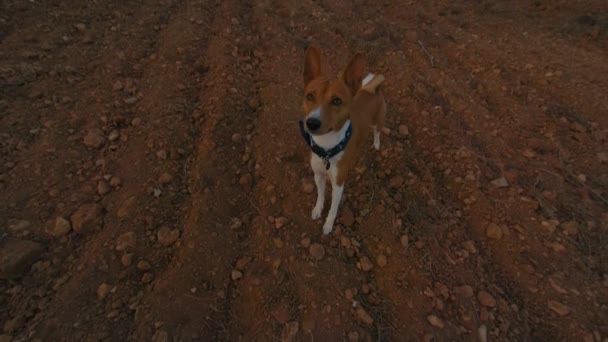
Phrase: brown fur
pixel 365 107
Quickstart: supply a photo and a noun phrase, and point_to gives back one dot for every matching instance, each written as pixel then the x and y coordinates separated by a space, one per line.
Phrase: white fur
pixel 367 79
pixel 327 141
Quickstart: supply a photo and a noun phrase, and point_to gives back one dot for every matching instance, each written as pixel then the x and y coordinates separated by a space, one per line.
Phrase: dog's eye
pixel 310 97
pixel 336 101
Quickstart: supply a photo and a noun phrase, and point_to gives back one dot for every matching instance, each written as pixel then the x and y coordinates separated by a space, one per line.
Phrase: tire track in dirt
pixel 88 263
pixel 193 297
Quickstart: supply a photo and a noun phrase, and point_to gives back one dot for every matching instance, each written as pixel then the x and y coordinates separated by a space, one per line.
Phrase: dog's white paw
pixel 377 144
pixel 328 227
pixel 316 212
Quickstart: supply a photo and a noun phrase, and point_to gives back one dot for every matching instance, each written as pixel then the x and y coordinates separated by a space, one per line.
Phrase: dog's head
pixel 327 100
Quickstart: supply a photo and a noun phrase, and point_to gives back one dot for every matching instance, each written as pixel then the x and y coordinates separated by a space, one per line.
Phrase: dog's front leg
pixel 336 197
pixel 320 181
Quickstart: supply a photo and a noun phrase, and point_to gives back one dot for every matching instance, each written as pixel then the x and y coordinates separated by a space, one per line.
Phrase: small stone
pixel 308 187
pixel 405 241
pixel 117 86
pixel 528 153
pixel 464 291
pixel 87 218
pixel 363 316
pixel 103 187
pixel 353 336
pixel 245 180
pixel 103 290
pixel 365 264
pixel 290 331
pixel 131 100
pixel 482 332
pixel 136 122
pixel 166 236
pixel 381 260
pixel 236 275
pixel 570 228
pixel 126 260
pixel 17 257
pixel 165 178
pixel 60 228
pixel 80 27
pixel 559 308
pixel 147 277
pixel 236 138
pixel 280 222
pixel 94 138
pixel 347 218
pixel 345 242
pixel 317 251
pixel 126 241
pixel 114 135
pixel 115 181
pixel 161 154
pixel 403 130
pixel 305 242
pixel 602 157
pixel 486 299
pixel 500 183
pixel 436 321
pixel 396 182
pixel 494 232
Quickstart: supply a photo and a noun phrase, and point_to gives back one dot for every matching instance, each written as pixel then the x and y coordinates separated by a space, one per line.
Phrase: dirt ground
pixel 154 186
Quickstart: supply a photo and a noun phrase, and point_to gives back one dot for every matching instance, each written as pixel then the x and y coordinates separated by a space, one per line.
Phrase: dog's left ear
pixel 354 72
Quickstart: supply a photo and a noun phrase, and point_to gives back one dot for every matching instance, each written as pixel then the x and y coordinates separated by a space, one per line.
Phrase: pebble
pixel 103 187
pixel 308 187
pixel 61 227
pixel 115 181
pixel 486 299
pixel 570 228
pixel 436 321
pixel 147 277
pixel 126 260
pixel 464 291
pixel 365 264
pixel 381 260
pixel 396 182
pixel 493 231
pixel 347 218
pixel 405 241
pixel 403 130
pixel 236 275
pixel 114 135
pixel 236 138
pixel 87 218
pixel 245 180
pixel 305 242
pixel 559 308
pixel 317 251
pixel 345 242
pixel 602 157
pixel 126 242
pixel 117 86
pixel 280 222
pixel 166 236
pixel 482 332
pixel 363 316
pixel 103 290
pixel 94 138
pixel 17 257
pixel 290 331
pixel 500 183
pixel 165 178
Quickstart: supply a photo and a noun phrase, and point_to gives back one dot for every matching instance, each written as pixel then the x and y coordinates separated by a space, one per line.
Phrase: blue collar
pixel 320 151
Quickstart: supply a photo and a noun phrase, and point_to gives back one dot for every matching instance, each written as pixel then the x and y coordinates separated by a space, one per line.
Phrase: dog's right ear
pixel 312 64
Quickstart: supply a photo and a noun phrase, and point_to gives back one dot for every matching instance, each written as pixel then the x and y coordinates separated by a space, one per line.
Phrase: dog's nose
pixel 313 124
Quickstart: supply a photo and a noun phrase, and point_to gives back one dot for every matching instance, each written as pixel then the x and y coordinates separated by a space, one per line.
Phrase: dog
pixel 339 114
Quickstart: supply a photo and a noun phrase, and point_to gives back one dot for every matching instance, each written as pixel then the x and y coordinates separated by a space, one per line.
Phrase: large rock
pixel 17 257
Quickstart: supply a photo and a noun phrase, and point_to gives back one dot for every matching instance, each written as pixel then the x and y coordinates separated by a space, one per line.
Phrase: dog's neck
pixel 333 138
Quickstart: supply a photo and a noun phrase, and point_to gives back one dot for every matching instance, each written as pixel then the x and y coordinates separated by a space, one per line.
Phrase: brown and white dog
pixel 339 113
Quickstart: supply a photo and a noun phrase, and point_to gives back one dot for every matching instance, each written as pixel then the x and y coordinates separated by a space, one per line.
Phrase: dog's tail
pixel 371 83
